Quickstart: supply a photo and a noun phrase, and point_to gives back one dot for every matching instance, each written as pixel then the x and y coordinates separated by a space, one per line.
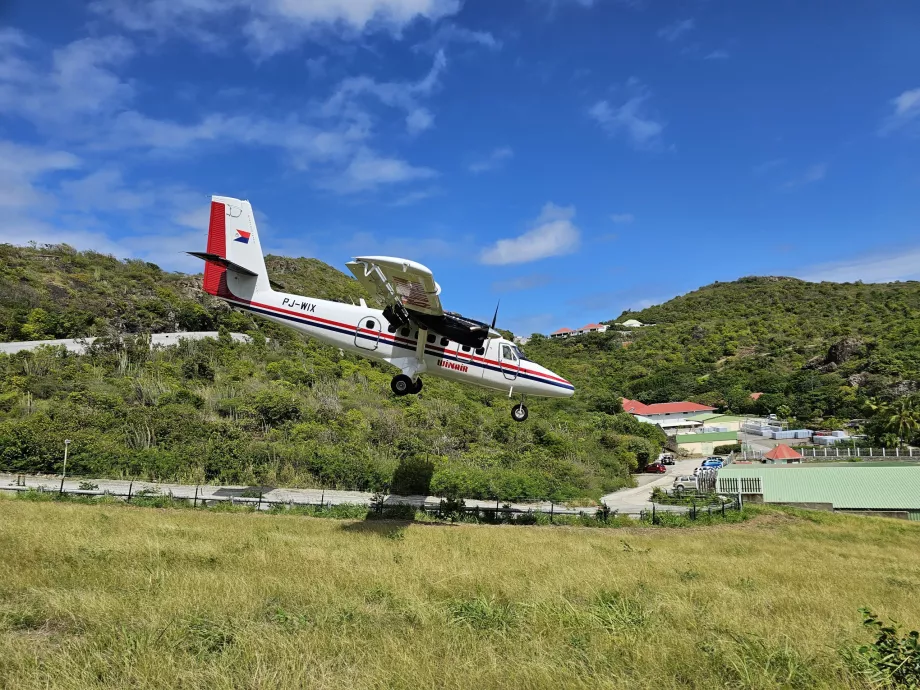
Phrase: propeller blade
pixel 495 316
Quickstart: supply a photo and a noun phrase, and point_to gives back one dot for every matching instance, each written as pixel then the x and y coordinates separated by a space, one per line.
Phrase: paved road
pixel 625 501
pixel 639 498
pixel 296 496
pixel 79 345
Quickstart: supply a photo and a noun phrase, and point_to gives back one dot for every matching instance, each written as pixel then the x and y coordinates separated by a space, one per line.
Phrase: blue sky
pixel 572 157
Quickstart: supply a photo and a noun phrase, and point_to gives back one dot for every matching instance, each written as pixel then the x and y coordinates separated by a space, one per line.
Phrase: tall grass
pixel 98 596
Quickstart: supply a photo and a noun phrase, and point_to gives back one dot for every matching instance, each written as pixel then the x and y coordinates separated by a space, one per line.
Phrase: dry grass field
pixel 110 596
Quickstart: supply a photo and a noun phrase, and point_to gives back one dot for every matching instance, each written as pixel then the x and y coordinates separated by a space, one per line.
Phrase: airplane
pixel 412 332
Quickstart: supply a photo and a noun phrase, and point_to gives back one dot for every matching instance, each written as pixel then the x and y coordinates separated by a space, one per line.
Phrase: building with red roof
pixel 663 410
pixel 568 332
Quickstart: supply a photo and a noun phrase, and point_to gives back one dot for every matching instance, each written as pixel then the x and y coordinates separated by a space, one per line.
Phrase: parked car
pixel 712 463
pixel 656 468
pixel 666 459
pixel 684 483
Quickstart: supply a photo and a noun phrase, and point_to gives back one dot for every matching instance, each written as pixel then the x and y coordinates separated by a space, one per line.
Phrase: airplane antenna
pixel 495 316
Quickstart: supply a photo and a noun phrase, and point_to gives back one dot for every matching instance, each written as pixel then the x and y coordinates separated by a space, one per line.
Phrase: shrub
pixel 893 661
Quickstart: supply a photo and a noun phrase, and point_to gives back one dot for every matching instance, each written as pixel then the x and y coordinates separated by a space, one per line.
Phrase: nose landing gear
pixel 404 385
pixel 519 411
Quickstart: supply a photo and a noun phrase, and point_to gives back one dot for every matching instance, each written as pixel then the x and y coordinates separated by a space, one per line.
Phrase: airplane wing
pixel 411 294
pixel 399 281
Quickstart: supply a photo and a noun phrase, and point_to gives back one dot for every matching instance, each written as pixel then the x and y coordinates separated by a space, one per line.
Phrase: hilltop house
pixel 568 332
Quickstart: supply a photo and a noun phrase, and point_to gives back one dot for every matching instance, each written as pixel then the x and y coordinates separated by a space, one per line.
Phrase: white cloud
pixel 553 234
pixel 77 95
pixel 622 218
pixel 814 173
pixel 22 167
pixel 494 160
pixel 77 83
pixel 632 119
pixel 368 171
pixel 906 113
pixel 877 268
pixel 766 166
pixel 419 120
pixel 672 32
pixel 717 55
pixel 345 101
pixel 414 197
pixel 451 33
pixel 270 26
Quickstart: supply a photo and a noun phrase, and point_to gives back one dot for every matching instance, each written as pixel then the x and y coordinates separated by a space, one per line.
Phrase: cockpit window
pixel 508 354
pixel 519 352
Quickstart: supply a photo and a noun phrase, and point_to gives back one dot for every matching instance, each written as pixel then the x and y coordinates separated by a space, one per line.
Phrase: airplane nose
pixel 565 389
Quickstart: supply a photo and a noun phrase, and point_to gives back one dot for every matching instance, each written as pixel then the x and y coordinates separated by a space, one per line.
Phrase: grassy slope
pixel 99 596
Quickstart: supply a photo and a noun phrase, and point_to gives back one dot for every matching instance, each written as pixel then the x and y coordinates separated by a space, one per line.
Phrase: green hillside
pixel 818 351
pixel 284 411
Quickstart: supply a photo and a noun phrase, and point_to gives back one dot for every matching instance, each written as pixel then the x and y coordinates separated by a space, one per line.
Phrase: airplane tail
pixel 233 260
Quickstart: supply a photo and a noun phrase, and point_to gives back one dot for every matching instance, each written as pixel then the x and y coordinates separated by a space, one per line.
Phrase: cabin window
pixel 445 342
pixel 480 351
pixel 369 324
pixel 405 332
pixel 465 348
pixel 391 328
pixel 430 338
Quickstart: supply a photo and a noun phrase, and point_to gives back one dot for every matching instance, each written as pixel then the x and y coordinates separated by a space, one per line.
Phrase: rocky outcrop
pixel 845 349
pixel 837 354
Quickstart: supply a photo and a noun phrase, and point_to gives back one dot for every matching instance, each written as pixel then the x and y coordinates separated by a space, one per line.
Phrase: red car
pixel 656 468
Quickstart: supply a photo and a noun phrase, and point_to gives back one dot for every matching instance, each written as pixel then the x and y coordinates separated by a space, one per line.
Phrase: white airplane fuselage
pixel 365 331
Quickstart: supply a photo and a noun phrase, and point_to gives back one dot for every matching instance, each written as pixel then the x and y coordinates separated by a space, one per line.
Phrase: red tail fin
pixel 217 244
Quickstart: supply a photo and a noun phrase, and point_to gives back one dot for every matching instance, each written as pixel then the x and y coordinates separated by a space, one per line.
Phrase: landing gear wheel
pixel 519 412
pixel 418 386
pixel 401 384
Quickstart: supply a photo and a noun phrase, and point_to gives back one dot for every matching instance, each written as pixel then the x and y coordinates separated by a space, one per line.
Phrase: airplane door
pixel 508 362
pixel 367 335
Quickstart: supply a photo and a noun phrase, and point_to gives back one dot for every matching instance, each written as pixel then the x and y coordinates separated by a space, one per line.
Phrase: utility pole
pixel 66 446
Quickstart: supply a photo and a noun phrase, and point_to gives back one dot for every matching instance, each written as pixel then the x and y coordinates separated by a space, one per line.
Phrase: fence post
pixel 693 511
pixel 261 491
pixel 883 451
pixel 322 498
pixel 654 515
pixel 870 451
pixel 61 492
pixel 723 508
pixel 551 511
pixel 195 502
pixel 130 489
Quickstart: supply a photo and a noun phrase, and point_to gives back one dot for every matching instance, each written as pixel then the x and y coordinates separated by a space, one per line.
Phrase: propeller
pixel 495 316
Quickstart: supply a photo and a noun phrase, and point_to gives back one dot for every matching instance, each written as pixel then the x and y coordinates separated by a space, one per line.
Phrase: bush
pixel 893 661
pixel 727 449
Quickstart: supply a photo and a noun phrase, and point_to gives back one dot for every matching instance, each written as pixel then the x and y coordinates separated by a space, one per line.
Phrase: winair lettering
pixel 447 364
pixel 303 306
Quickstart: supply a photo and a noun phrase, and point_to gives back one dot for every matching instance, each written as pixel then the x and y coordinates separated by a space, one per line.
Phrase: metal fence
pixel 842 452
pixel 383 505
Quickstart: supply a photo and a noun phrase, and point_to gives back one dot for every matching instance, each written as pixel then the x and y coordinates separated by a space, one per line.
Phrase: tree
pixel 903 418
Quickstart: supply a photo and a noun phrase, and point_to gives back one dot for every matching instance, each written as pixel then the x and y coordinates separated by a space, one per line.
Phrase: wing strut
pixel 420 345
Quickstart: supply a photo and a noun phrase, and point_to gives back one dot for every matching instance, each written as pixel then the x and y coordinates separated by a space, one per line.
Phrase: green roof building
pixel 892 489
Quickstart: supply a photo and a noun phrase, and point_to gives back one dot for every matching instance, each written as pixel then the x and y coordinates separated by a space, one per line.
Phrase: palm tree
pixel 904 418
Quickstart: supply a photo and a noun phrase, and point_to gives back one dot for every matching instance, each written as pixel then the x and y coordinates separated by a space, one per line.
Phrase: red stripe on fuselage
pixel 387 336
